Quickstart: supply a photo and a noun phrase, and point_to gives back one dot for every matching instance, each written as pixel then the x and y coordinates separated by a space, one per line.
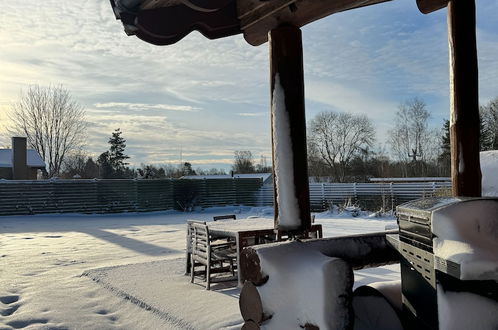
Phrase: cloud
pixel 143 106
pixel 192 95
pixel 252 114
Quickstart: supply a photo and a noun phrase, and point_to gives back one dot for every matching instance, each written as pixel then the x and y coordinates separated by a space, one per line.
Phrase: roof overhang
pixel 164 22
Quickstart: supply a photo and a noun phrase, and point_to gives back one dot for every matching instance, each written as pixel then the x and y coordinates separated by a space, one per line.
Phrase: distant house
pixel 265 177
pixel 20 163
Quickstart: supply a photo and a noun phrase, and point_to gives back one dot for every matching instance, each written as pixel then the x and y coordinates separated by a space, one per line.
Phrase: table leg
pixel 238 242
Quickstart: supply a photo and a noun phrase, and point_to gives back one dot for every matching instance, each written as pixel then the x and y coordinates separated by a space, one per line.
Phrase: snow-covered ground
pixel 42 259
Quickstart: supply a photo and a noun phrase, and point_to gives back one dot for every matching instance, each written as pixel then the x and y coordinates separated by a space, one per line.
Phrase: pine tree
pixel 104 165
pixel 445 139
pixel 117 156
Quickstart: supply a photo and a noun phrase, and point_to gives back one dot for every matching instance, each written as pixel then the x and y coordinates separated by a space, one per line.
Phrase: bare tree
pixel 243 162
pixel 411 139
pixel 74 165
pixel 336 138
pixel 53 122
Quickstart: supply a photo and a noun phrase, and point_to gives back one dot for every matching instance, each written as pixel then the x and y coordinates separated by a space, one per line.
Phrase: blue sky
pixel 209 98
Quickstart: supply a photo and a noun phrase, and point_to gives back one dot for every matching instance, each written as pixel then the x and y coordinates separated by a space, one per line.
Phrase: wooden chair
pixel 315 231
pixel 223 217
pixel 189 243
pixel 211 257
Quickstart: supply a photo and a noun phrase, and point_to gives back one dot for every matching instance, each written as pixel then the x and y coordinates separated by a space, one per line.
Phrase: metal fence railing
pixel 323 195
pixel 107 196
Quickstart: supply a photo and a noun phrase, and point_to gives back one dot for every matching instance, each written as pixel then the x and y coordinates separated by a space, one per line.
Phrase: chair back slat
pixel 200 243
pixel 189 232
pixel 224 217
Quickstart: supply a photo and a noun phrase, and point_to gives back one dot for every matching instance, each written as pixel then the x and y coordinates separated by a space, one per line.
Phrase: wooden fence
pixel 108 196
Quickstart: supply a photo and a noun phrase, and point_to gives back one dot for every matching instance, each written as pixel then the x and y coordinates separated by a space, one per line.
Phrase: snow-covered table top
pixel 236 226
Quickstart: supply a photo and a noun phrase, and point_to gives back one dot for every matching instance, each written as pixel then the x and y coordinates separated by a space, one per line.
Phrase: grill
pixel 424 272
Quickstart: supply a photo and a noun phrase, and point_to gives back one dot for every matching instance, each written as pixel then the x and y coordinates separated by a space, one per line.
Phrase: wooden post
pixel 288 122
pixel 464 101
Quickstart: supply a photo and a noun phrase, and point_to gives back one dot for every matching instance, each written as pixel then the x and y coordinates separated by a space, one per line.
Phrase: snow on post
pixel 290 169
pixel 288 208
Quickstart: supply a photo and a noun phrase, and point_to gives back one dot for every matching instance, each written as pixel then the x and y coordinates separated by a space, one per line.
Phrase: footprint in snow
pixel 19 324
pixel 102 312
pixel 7 300
pixel 9 310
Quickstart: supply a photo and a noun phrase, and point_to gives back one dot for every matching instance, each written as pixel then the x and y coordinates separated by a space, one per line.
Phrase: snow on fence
pixel 108 196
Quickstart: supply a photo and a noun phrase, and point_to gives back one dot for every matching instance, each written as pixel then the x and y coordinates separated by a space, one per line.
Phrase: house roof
pixel 33 158
pixel 164 22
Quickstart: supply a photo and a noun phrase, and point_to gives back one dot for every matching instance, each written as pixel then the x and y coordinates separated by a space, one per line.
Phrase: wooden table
pixel 245 232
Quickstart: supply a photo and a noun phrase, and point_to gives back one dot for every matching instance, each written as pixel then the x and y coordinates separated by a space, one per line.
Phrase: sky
pixel 200 100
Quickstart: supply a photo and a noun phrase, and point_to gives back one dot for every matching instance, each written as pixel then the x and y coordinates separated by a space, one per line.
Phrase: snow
pixel 288 212
pixel 374 311
pixel 489 169
pixel 312 297
pixel 33 159
pixel 133 266
pixel 467 234
pixel 464 310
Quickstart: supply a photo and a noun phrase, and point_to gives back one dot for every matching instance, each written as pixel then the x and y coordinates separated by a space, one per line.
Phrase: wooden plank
pixel 464 99
pixel 288 126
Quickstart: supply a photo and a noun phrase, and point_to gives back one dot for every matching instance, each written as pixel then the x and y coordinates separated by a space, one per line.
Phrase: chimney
pixel 19 159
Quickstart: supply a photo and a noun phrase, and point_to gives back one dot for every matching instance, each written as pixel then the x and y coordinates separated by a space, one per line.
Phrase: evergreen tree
pixel 445 139
pixel 117 156
pixel 187 169
pixel 91 169
pixel 104 163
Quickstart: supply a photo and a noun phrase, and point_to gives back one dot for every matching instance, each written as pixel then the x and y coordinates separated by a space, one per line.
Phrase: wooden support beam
pixel 288 124
pixel 464 100
pixel 258 17
pixel 429 6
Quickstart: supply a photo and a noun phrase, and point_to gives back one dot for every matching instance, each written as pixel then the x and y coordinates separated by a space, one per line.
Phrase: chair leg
pixel 192 269
pixel 208 276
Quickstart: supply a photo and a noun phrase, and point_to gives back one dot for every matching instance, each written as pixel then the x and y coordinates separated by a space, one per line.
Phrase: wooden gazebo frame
pixel 164 22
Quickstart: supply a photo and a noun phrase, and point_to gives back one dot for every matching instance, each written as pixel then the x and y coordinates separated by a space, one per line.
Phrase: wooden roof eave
pixel 164 22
